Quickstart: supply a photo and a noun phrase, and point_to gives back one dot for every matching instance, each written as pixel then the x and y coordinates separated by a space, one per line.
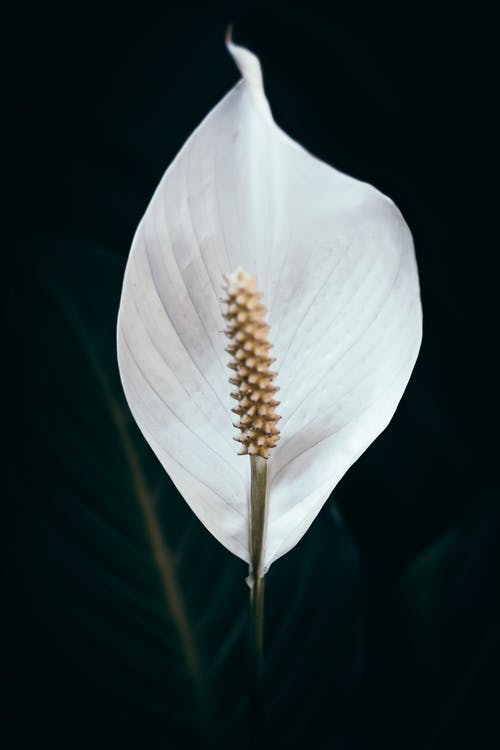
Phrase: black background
pixel 405 578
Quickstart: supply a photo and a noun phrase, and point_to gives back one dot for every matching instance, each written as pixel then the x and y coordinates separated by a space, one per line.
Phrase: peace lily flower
pixel 335 268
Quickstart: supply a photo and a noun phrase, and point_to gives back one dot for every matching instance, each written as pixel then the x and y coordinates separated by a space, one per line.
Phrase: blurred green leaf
pixel 137 614
pixel 443 622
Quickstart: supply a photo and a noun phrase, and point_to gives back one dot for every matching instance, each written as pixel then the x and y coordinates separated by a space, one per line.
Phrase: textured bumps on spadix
pixel 250 360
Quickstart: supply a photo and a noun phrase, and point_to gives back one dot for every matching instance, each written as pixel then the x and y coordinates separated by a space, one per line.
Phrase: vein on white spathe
pixel 336 265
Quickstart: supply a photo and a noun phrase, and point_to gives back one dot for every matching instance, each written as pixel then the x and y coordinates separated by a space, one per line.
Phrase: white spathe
pixel 335 262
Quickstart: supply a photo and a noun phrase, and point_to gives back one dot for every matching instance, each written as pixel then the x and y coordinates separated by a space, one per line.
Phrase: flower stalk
pixel 258 513
pixel 249 349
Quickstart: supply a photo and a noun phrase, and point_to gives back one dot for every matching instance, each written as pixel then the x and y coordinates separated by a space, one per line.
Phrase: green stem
pixel 257 533
pixel 257 624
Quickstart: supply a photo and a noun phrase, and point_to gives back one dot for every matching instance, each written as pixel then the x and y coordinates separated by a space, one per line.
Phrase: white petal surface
pixel 335 262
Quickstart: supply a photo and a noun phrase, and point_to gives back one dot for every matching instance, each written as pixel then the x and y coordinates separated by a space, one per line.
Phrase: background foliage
pixel 383 624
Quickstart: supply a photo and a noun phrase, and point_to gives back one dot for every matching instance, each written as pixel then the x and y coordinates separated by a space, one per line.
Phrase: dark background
pixel 383 625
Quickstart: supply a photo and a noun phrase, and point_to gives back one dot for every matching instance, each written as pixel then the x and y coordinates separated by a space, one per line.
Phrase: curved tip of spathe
pixel 247 63
pixel 249 66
